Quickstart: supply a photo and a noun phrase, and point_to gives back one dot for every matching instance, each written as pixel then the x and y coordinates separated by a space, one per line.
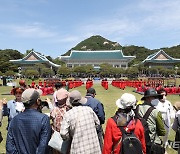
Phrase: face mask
pixel 155 102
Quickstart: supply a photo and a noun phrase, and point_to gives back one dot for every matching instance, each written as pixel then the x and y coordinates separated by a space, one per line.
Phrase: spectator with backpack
pixel 124 134
pixel 154 121
pixel 176 125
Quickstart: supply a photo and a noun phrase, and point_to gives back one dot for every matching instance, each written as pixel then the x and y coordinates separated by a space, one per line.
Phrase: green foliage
pixel 141 53
pixel 173 51
pixel 9 73
pixel 79 69
pixel 39 68
pixel 63 70
pixel 132 72
pixel 58 61
pixel 30 73
pixel 88 69
pixel 47 72
pixel 6 55
pixel 178 72
pixel 96 43
pixel 105 69
pixel 1 74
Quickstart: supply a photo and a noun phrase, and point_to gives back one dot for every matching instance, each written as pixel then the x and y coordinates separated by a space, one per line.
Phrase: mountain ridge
pixel 97 42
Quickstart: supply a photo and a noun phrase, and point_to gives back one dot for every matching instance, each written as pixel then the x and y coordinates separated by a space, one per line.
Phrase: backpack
pixel 145 124
pixel 130 144
pixel 177 136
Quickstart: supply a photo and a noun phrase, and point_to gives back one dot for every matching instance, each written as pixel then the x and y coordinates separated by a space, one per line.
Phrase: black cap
pixel 91 91
pixel 151 93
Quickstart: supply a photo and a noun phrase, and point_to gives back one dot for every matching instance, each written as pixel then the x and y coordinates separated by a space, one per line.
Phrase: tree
pixel 6 55
pixel 119 72
pixel 64 71
pixel 1 74
pixel 39 67
pixel 132 72
pixel 47 72
pixel 58 61
pixel 9 73
pixel 105 69
pixel 89 69
pixel 28 51
pixel 31 73
pixel 153 71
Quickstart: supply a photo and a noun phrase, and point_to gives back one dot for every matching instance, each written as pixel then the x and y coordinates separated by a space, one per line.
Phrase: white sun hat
pixel 126 100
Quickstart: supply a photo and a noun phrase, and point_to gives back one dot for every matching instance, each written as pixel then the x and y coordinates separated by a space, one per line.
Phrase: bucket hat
pixel 75 97
pixel 62 94
pixel 126 100
pixel 151 93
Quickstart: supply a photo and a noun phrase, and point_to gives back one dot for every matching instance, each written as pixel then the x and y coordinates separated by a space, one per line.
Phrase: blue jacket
pixel 28 133
pixel 97 107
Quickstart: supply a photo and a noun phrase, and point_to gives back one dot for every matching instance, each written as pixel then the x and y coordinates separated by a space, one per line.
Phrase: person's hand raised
pixel 2 102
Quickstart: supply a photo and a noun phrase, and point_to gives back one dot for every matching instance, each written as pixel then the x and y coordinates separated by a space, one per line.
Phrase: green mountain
pixel 100 43
pixel 95 43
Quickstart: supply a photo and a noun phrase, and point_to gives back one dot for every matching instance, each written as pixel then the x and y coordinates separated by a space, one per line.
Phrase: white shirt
pixel 19 106
pixel 167 112
pixel 54 97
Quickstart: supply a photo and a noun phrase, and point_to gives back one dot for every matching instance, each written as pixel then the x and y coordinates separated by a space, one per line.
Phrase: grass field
pixel 107 97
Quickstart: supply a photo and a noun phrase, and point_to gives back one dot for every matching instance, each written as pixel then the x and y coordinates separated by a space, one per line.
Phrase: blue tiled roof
pixel 114 54
pixel 163 61
pixel 152 58
pixel 40 59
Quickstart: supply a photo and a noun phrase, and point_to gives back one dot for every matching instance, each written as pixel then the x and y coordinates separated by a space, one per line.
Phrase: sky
pixel 52 27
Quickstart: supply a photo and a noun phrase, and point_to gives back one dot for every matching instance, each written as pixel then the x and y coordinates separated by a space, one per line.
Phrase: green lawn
pixel 107 97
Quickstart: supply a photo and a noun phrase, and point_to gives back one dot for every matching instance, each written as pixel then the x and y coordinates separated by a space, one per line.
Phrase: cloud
pixel 161 14
pixel 65 39
pixel 35 30
pixel 141 19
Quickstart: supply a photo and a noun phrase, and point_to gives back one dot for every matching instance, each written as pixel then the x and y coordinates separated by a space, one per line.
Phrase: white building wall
pixel 115 63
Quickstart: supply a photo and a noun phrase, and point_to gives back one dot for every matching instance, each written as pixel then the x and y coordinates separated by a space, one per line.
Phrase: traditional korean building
pixel 34 58
pixel 95 58
pixel 160 58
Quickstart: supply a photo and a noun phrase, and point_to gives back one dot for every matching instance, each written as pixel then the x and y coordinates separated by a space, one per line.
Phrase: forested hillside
pixel 5 56
pixel 100 43
pixel 93 43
